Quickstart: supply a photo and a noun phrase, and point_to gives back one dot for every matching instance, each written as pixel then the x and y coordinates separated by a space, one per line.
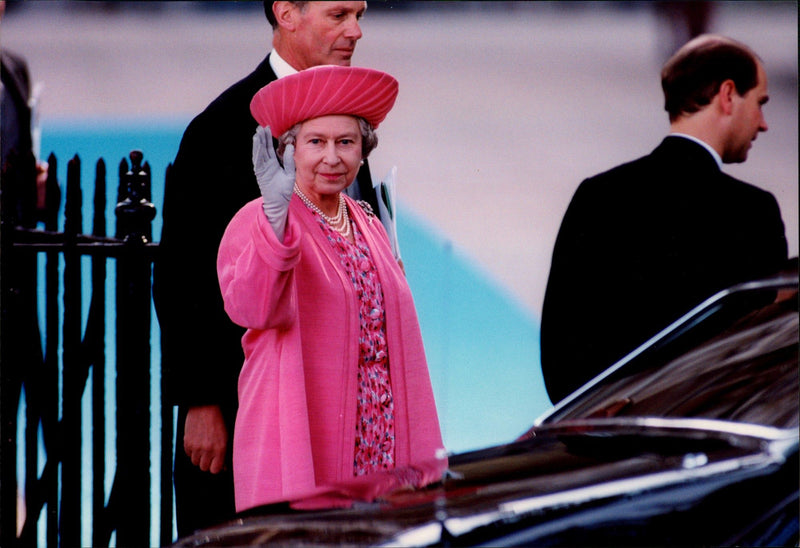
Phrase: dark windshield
pixel 735 361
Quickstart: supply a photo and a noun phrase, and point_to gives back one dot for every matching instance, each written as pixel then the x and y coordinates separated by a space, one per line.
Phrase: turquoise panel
pixel 482 346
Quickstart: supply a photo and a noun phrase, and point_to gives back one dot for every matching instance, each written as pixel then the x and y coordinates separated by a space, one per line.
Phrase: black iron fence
pixel 80 399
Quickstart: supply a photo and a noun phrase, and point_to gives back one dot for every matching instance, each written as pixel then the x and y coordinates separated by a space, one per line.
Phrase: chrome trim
pixel 706 426
pixel 422 535
pixel 630 486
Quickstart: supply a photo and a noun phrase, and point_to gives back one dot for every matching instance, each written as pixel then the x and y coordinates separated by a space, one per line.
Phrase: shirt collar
pixel 279 65
pixel 714 153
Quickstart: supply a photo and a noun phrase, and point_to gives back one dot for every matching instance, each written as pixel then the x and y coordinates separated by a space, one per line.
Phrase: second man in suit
pixel 644 242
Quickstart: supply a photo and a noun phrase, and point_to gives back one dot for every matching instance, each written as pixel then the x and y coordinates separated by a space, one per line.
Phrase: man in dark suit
pixel 211 178
pixel 643 243
pixel 23 189
pixel 24 174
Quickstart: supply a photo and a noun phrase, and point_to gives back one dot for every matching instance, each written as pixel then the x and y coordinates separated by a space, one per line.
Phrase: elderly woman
pixel 335 384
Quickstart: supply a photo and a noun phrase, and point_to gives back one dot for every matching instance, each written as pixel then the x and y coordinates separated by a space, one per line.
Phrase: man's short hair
pixel 692 77
pixel 271 16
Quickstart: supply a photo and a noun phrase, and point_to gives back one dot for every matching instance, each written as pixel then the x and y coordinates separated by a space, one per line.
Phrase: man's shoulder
pixel 13 61
pixel 674 159
pixel 15 68
pixel 242 92
pixel 619 177
pixel 736 189
pixel 232 106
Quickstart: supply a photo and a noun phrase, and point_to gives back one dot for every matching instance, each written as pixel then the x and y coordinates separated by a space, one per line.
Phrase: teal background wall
pixel 482 346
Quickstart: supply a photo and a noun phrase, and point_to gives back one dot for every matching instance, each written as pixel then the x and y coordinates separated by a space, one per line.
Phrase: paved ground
pixel 502 109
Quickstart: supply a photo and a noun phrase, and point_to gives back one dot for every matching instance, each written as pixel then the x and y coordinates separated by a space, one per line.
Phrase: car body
pixel 692 439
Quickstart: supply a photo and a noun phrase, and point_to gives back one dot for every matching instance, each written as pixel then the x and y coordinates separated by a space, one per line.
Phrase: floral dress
pixel 374 447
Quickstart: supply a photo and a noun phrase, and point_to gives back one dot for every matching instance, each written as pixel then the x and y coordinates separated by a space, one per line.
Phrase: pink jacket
pixel 295 429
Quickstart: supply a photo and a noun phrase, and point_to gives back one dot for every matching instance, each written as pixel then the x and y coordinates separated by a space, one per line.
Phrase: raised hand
pixel 275 181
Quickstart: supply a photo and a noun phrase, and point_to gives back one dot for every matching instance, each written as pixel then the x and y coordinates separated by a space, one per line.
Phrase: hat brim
pixel 322 91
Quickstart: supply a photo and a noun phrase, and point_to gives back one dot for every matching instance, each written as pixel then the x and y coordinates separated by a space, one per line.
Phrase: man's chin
pixel 736 159
pixel 342 57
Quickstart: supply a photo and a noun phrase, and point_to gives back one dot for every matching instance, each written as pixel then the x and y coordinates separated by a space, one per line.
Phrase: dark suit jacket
pixel 21 348
pixel 210 180
pixel 16 114
pixel 642 244
pixel 17 162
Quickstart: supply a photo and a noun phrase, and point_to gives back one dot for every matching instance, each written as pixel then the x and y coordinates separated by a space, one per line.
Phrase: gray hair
pixel 369 139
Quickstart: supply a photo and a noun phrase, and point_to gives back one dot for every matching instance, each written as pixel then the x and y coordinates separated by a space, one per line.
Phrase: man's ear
pixel 726 94
pixel 285 14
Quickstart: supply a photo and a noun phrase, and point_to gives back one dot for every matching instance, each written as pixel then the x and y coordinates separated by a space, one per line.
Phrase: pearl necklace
pixel 340 223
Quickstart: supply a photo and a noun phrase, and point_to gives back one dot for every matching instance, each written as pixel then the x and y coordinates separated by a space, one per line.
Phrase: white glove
pixel 276 182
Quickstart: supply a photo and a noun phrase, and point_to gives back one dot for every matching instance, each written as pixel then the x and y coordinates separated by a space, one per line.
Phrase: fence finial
pixel 134 211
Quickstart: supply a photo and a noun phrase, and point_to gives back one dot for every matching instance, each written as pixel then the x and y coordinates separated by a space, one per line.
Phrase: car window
pixel 738 362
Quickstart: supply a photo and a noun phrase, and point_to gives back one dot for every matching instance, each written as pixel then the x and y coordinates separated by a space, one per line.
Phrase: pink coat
pixel 295 429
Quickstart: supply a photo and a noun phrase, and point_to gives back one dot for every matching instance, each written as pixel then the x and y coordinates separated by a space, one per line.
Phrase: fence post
pixel 134 215
pixel 70 433
pixel 50 391
pixel 94 341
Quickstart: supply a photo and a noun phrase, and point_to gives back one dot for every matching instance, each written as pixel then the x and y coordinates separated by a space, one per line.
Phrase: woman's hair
pixel 369 139
pixel 692 77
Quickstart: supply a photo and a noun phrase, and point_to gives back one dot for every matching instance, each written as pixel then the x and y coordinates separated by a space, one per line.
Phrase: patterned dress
pixel 374 447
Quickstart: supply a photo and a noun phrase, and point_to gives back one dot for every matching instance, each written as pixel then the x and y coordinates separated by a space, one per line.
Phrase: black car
pixel 690 440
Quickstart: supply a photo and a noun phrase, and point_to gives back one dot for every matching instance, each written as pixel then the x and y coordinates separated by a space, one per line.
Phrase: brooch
pixel 367 209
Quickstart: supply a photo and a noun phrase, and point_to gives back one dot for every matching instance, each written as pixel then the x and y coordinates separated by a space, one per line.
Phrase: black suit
pixel 21 358
pixel 642 244
pixel 210 180
pixel 16 158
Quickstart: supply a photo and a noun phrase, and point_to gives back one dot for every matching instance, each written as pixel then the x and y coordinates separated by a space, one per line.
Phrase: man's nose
pixel 353 30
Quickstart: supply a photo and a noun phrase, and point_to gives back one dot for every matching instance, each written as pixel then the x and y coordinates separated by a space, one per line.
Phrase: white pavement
pixel 502 110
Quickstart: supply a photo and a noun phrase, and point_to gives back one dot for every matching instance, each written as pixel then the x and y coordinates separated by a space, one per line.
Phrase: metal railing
pixel 77 409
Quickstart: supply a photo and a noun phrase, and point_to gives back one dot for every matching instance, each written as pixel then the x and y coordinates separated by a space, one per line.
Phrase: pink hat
pixel 323 90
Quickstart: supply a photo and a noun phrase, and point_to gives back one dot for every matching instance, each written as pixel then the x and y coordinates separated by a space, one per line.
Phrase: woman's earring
pixel 361 163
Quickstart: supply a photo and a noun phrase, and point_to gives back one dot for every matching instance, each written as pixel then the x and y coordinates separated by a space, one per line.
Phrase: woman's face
pixel 327 155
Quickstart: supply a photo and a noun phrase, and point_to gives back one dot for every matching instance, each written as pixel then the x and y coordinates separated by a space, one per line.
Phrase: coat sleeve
pixel 256 271
pixel 776 248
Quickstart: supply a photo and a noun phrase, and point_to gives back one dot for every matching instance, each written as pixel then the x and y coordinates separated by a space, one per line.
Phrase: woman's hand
pixel 276 182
